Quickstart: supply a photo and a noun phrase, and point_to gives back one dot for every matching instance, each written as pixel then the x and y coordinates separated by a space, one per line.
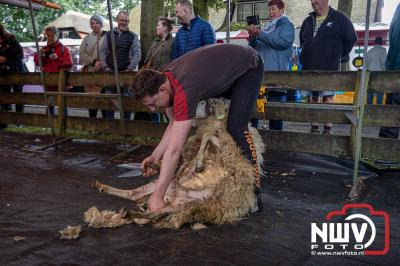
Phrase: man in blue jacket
pixel 194 33
pixel 326 36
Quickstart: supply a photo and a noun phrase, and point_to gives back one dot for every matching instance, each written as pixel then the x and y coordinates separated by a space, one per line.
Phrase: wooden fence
pixel 332 145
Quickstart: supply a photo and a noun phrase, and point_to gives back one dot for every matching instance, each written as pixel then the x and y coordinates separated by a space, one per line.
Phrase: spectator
pixel 393 63
pixel 89 53
pixel 326 36
pixel 182 85
pixel 160 52
pixel 376 62
pixel 194 33
pixel 55 56
pixel 274 43
pixel 127 46
pixel 11 56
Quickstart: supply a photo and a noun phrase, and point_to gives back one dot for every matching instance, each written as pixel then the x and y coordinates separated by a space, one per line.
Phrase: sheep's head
pixel 214 107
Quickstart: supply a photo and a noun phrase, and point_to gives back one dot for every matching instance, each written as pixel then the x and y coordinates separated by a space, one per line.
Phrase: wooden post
pixel 355 113
pixel 62 122
pixel 360 106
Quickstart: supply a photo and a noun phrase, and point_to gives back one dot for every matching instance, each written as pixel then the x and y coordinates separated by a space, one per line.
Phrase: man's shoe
pixel 328 132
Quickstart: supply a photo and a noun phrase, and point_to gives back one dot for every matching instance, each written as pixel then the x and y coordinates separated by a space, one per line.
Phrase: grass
pixel 76 134
pixel 381 166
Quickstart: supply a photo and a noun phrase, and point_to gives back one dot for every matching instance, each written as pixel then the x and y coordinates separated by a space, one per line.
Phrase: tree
pixel 17 20
pixel 345 6
pixel 225 22
pixel 200 6
pixel 151 10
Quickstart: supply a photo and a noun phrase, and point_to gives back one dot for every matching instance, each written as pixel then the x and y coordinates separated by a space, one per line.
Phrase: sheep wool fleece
pixel 218 70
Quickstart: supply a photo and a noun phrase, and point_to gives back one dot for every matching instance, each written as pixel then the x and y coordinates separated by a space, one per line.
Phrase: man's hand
pixel 155 202
pixel 146 168
pixel 3 59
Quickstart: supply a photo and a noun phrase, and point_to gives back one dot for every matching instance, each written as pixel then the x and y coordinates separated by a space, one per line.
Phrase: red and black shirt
pixel 206 72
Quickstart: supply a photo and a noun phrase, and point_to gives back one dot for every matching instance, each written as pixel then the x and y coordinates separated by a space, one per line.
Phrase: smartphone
pixel 255 20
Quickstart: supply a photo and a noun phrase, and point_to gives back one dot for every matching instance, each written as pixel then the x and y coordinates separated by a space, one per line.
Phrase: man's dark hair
pixel 147 83
pixel 378 40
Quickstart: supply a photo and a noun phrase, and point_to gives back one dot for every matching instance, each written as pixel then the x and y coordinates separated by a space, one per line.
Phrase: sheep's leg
pixel 152 215
pixel 200 155
pixel 131 194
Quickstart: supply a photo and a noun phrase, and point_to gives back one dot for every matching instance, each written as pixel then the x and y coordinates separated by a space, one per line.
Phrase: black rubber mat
pixel 43 192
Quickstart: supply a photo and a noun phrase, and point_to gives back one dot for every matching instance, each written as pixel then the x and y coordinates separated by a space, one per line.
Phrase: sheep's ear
pixel 201 110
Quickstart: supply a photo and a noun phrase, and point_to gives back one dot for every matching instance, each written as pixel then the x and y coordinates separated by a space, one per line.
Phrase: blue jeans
pixel 110 113
pixel 391 132
pixel 293 96
pixel 379 97
pixel 52 111
pixel 276 96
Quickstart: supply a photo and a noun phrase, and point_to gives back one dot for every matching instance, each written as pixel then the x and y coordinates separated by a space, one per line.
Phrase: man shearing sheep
pixel 207 72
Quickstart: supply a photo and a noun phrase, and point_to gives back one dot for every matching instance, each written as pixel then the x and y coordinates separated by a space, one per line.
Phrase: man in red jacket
pixel 55 55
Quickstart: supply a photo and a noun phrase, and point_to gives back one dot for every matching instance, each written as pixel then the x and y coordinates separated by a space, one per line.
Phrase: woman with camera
pixel 274 43
pixel 55 56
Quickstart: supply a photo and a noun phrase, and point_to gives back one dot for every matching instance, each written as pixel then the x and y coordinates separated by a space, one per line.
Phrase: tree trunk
pixel 223 27
pixel 151 10
pixel 378 12
pixel 201 8
pixel 346 6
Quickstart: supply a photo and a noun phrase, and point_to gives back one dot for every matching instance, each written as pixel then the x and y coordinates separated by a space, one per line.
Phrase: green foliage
pixel 215 4
pixel 76 134
pixel 238 26
pixel 17 20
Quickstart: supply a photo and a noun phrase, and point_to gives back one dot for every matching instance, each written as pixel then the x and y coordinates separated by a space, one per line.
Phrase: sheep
pixel 213 184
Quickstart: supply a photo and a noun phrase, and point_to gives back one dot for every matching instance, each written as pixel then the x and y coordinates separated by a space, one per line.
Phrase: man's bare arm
pixel 162 146
pixel 178 136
